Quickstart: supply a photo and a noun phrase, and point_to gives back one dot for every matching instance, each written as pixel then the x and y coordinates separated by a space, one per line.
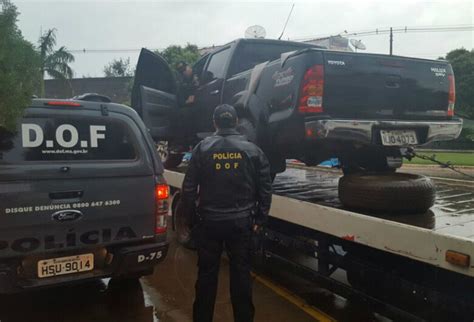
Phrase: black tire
pixel 183 227
pixel 245 127
pixel 174 205
pixel 387 192
pixel 169 160
pixel 348 170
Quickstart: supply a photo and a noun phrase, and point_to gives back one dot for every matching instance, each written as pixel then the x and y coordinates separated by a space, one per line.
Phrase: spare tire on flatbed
pixel 387 192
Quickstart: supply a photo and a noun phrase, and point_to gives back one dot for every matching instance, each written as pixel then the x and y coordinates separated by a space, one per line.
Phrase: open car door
pixel 154 95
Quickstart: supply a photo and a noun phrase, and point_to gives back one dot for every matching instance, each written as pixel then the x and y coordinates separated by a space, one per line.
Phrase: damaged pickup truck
pixel 300 101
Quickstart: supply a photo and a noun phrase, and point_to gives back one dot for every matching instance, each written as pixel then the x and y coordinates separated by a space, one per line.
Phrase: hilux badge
pixel 67 215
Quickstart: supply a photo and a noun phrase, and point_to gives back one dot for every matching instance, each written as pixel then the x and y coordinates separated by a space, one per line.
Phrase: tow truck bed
pixel 308 198
pixel 396 265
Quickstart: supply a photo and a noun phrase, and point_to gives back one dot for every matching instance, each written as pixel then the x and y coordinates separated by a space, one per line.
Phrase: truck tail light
pixel 162 193
pixel 451 95
pixel 311 92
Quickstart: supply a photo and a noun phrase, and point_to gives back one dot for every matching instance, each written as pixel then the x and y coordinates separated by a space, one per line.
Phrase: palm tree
pixel 55 63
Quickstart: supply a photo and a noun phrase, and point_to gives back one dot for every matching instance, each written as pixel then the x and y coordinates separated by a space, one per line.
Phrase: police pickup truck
pixel 82 196
pixel 300 101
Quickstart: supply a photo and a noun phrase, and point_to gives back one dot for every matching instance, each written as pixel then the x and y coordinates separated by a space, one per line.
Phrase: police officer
pixel 187 84
pixel 229 180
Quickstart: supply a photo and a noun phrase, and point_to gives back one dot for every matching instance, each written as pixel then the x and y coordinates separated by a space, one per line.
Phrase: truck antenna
pixel 287 19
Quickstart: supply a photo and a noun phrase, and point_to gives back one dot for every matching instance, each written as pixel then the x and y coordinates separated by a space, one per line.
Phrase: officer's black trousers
pixel 211 238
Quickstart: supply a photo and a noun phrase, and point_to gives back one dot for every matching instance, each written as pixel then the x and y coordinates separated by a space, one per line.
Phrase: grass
pixel 456 158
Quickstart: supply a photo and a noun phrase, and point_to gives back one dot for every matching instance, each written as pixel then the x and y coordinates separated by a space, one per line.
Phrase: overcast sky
pixel 130 25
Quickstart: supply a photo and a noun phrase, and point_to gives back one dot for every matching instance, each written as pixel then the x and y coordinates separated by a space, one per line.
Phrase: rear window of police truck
pixel 68 137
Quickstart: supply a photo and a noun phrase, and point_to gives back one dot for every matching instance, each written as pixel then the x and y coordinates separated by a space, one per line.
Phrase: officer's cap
pixel 225 116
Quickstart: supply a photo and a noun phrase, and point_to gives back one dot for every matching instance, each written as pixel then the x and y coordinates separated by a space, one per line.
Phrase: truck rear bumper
pixel 368 131
pixel 123 260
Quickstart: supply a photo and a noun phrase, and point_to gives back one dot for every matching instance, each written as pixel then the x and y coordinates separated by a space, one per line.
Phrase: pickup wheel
pixel 169 160
pixel 183 226
pixel 387 192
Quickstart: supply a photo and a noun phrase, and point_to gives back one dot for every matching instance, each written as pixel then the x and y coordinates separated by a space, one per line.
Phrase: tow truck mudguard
pixel 139 258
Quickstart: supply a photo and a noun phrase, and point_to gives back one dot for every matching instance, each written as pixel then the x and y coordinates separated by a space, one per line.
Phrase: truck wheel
pixel 169 160
pixel 183 227
pixel 387 192
pixel 245 127
pixel 174 204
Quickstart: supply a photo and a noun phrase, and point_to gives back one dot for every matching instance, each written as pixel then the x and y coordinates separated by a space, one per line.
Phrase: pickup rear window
pixel 68 139
pixel 251 54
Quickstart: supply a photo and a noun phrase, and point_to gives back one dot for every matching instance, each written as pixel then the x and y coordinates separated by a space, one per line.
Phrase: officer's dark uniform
pixel 230 178
pixel 187 87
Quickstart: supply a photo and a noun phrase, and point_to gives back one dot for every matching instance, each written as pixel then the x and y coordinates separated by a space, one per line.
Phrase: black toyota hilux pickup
pixel 304 102
pixel 82 196
pixel 300 101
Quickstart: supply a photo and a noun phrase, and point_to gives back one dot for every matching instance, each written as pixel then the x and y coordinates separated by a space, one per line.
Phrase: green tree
pixel 119 68
pixel 174 54
pixel 462 61
pixel 19 65
pixel 54 63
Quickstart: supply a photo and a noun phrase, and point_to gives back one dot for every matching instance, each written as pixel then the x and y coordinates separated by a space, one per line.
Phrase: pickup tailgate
pixel 368 86
pixel 55 198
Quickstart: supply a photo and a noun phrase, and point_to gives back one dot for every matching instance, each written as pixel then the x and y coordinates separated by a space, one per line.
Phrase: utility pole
pixel 391 41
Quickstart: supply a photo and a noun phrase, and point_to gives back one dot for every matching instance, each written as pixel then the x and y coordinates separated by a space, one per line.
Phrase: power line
pixel 90 51
pixel 363 33
pixel 405 29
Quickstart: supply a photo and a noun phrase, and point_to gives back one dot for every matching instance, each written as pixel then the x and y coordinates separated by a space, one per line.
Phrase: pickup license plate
pixel 399 137
pixel 65 265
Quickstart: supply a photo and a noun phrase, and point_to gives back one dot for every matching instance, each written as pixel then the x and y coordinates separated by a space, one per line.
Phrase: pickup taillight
pixel 312 89
pixel 162 193
pixel 451 95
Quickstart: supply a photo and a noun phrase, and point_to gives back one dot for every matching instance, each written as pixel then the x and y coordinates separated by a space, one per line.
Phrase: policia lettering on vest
pixel 231 156
pixel 228 185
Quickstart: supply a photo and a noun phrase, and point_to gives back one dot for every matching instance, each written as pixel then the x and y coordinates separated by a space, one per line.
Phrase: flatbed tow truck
pixel 407 267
